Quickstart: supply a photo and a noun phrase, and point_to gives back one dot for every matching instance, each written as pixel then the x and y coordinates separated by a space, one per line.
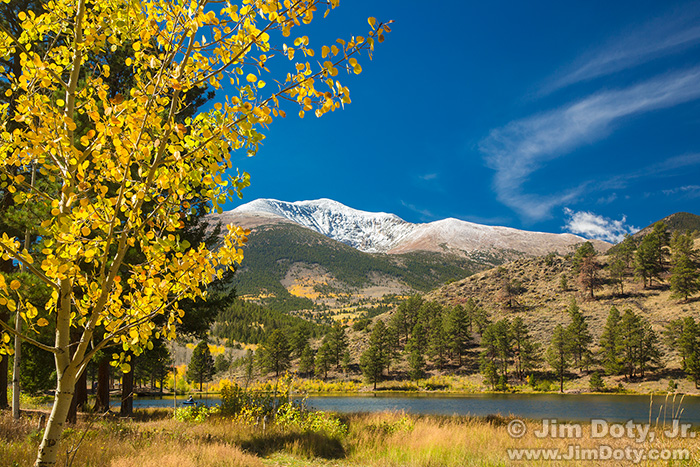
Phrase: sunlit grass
pixel 389 439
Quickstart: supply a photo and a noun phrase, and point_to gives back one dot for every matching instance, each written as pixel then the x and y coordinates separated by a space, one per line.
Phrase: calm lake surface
pixel 533 406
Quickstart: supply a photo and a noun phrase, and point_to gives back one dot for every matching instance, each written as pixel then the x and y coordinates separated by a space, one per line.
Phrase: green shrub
pixel 195 413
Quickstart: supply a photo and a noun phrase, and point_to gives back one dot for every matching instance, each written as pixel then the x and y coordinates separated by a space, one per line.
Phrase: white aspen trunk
pixel 48 450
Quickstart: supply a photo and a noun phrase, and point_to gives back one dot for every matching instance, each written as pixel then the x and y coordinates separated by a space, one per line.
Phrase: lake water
pixel 533 406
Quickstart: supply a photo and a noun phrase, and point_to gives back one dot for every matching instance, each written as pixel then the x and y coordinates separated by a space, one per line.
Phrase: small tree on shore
pixel 558 354
pixel 374 359
pixel 201 367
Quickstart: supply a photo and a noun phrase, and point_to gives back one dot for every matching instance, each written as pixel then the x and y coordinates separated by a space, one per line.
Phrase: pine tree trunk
pixel 127 408
pixel 4 370
pixel 79 398
pixel 102 395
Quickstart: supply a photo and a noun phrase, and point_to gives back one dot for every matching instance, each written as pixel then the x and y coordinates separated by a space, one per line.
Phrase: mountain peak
pixel 371 232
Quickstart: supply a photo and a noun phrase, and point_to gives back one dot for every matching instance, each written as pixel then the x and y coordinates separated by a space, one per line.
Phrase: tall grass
pixel 387 439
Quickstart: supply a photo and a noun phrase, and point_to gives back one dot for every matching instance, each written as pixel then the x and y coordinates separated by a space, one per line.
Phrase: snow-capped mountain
pixel 387 233
pixel 371 232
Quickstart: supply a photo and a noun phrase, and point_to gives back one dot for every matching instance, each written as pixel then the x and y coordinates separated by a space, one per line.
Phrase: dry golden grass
pixel 172 454
pixel 372 440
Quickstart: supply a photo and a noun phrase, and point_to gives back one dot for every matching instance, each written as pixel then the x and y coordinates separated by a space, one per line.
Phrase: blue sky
pixel 578 117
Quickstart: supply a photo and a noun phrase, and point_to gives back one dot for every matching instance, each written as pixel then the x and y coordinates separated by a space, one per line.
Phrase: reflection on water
pixel 534 406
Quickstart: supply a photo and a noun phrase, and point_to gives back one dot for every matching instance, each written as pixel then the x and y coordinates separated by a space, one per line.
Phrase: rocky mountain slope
pixel 543 297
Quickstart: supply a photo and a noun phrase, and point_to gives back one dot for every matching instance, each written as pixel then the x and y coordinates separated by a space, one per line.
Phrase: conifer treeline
pixel 247 322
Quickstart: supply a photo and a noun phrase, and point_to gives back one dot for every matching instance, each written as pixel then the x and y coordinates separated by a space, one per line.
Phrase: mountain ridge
pixel 381 232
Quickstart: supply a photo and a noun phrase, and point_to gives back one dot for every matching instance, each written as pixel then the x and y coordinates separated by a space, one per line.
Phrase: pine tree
pixel 651 254
pixel 685 274
pixel 617 270
pixel 299 341
pixel 324 358
pixel 586 250
pixel 201 367
pixel 338 341
pixel 526 351
pixel 416 365
pixel 558 354
pixel 611 343
pixel 589 275
pixel 596 382
pixel 275 354
pixel 497 349
pixel 630 338
pixel 438 343
pixel 648 356
pixel 373 360
pixel 504 344
pixel 457 329
pixel 580 338
pixel 684 337
pixel 306 360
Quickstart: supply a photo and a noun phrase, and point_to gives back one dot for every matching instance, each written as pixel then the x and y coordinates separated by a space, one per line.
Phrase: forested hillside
pixel 250 323
pixel 272 252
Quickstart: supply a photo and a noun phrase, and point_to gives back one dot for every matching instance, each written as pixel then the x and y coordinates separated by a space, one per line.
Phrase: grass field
pixel 154 438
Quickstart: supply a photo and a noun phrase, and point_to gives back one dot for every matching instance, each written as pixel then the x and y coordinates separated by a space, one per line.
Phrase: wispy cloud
pixel 662 36
pixel 521 147
pixel 425 214
pixel 593 226
pixel 428 177
pixel 607 199
pixel 688 191
pixel 666 168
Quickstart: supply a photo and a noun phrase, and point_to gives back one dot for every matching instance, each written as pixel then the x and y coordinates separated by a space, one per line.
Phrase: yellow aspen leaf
pixel 15 284
pixel 372 21
pixel 42 322
pixel 70 124
pixel 251 78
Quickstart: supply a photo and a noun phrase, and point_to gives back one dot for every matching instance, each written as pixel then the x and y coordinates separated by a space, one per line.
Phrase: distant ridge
pixel 387 233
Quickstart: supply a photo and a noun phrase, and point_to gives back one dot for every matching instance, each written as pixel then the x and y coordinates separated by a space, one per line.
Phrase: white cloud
pixel 522 147
pixel 593 226
pixel 660 37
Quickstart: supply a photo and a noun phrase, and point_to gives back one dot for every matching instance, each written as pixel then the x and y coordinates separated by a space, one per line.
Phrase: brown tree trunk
pixel 127 408
pixel 4 370
pixel 102 394
pixel 80 396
